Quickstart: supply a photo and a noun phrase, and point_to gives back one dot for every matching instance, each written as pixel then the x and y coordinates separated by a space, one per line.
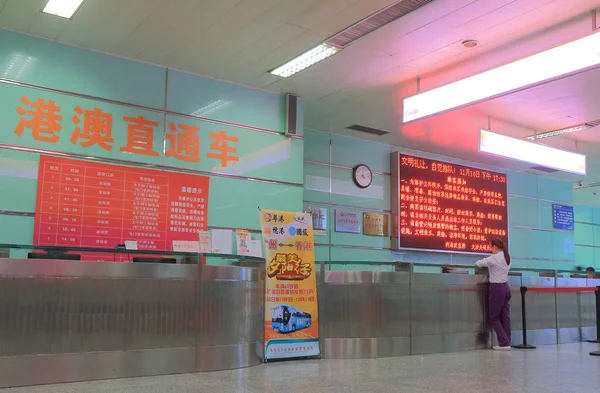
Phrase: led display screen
pixel 449 207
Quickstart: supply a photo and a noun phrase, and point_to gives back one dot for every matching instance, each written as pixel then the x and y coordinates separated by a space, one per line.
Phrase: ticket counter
pixel 68 320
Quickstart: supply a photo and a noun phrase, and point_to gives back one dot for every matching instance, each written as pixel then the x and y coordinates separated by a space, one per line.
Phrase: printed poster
pixel 291 309
pixel 242 239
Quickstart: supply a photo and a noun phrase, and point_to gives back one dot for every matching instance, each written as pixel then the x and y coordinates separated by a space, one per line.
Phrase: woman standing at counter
pixel 498 265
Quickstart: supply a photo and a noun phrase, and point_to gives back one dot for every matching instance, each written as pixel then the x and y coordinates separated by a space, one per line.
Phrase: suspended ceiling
pixel 241 40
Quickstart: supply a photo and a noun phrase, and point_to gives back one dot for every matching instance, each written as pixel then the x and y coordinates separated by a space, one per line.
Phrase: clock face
pixel 363 176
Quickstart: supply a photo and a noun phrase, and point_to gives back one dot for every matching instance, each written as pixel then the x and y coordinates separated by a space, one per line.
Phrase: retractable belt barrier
pixel 524 290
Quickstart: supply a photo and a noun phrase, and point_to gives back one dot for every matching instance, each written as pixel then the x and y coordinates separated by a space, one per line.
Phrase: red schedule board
pixel 449 207
pixel 87 204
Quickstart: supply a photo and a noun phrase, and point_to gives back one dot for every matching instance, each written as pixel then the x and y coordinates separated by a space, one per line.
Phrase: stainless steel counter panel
pixel 125 319
pixel 364 314
pixel 71 320
pixel 590 333
pixel 76 314
pixel 541 312
pixel 370 277
pixel 72 367
pixel 232 312
pixel 60 268
pixel 569 309
pixel 515 283
pixel 231 273
pixel 449 279
pixel 588 311
pixel 449 313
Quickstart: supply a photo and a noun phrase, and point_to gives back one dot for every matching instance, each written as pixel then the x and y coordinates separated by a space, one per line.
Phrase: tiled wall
pixel 71 77
pixel 587 236
pixel 328 183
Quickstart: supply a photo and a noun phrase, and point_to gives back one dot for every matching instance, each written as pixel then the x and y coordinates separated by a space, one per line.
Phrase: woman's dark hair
pixel 500 245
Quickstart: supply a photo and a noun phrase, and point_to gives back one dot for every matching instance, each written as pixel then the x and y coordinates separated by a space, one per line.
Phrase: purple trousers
pixel 499 308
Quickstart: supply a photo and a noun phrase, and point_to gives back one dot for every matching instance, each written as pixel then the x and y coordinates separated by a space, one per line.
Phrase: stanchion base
pixel 593 341
pixel 524 346
pixel 595 353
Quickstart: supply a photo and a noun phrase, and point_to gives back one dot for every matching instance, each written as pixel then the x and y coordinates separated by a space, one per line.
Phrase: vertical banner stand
pixel 291 320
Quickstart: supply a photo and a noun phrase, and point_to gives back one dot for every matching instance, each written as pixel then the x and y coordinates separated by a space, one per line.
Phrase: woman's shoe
pixel 499 348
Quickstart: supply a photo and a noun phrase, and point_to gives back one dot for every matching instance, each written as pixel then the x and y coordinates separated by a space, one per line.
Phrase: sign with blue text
pixel 563 217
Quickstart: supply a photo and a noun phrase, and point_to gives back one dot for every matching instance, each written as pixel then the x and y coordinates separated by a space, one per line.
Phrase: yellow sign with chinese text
pixel 291 308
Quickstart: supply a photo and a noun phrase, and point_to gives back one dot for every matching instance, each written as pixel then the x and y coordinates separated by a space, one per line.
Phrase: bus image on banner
pixel 287 319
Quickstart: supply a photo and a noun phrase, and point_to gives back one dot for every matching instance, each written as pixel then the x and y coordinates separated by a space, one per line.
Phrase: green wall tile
pixel 316 183
pixel 210 98
pixel 596 232
pixel 584 214
pixel 345 192
pixel 361 255
pixel 523 211
pixel 521 243
pixel 545 213
pixel 345 151
pixel 316 146
pixel 321 253
pixel 555 190
pixel 584 234
pixel 563 245
pixel 584 255
pixel 531 264
pixel 522 184
pixel 16 229
pixel 64 67
pixel 596 215
pixel 229 208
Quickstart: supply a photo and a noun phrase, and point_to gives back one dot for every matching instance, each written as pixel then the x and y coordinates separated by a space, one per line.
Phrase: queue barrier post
pixel 597 353
pixel 525 345
pixel 597 339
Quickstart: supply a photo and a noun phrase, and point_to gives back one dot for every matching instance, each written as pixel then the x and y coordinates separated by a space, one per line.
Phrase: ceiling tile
pixel 19 15
pixel 121 22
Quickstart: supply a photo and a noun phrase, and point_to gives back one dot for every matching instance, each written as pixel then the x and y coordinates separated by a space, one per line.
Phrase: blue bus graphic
pixel 289 319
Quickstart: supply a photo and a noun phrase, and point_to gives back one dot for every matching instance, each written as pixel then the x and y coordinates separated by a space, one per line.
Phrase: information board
pixel 88 204
pixel 563 217
pixel 448 207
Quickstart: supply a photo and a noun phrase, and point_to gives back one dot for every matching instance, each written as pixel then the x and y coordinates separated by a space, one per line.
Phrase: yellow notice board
pixel 291 308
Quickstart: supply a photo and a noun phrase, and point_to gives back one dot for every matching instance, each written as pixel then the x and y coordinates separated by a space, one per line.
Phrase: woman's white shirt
pixel 497 266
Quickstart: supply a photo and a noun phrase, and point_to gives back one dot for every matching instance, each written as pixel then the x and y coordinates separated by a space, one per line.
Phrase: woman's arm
pixel 485 262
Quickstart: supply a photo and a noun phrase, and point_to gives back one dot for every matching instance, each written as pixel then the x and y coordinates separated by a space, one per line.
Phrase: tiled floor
pixel 563 368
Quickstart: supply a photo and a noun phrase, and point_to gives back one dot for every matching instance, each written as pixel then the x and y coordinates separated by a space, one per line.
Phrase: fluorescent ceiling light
pixel 62 8
pixel 562 131
pixel 518 149
pixel 565 59
pixel 305 60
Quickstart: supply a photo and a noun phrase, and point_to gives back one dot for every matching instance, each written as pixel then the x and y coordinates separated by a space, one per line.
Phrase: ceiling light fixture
pixel 534 153
pixel 470 43
pixel 62 8
pixel 562 131
pixel 562 60
pixel 305 60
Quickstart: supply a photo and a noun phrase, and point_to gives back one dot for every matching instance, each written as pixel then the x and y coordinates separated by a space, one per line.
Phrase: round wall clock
pixel 362 176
